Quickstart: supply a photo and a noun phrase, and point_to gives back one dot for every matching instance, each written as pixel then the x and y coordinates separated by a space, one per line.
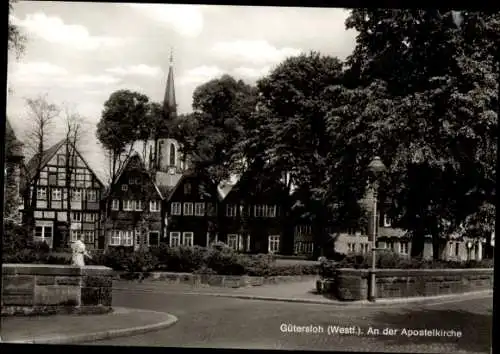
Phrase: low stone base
pixel 42 289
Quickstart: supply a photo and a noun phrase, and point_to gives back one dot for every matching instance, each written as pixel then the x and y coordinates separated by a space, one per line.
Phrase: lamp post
pixel 375 169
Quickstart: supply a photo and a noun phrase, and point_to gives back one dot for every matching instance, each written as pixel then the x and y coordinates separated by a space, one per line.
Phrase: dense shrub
pixel 225 261
pixel 390 260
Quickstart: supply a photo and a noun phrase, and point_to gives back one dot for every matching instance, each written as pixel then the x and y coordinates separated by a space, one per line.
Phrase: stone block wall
pixel 353 284
pixel 40 289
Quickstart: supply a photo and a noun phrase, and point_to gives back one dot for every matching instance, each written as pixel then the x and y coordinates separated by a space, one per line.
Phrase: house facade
pixel 192 211
pixel 255 216
pixel 66 201
pixel 133 209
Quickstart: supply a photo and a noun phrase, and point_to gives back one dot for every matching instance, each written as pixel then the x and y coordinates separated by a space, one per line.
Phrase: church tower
pixel 164 154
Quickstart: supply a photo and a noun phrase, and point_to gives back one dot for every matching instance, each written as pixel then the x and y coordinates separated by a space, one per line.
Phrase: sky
pixel 77 54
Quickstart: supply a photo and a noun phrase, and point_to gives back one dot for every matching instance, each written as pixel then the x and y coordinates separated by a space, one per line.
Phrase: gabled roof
pixel 47 155
pixel 125 166
pixel 191 172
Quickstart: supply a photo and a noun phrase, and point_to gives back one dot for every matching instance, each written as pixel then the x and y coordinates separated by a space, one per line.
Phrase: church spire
pixel 169 103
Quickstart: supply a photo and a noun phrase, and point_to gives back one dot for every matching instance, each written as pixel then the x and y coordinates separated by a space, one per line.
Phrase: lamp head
pixel 376 167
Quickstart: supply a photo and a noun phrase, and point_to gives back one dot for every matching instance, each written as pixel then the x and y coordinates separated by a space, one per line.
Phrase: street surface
pixel 217 322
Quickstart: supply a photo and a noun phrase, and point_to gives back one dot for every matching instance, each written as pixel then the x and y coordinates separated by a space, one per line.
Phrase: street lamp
pixel 375 169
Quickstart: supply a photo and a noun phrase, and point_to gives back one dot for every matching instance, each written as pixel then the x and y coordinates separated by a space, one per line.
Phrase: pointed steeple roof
pixel 169 103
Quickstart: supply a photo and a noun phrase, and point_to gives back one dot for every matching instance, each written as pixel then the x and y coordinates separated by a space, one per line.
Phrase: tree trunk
pixel 417 243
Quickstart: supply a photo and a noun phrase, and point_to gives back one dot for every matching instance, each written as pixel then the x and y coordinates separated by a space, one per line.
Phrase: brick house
pixel 54 199
pixel 134 214
pixel 254 215
pixel 192 207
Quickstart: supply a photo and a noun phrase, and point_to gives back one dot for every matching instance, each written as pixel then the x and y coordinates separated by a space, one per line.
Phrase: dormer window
pixel 124 187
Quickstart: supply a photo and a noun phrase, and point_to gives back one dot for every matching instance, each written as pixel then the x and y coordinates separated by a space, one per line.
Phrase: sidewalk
pixel 301 292
pixel 71 329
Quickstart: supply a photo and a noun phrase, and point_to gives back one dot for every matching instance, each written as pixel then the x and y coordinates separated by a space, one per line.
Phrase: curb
pixel 353 304
pixel 96 336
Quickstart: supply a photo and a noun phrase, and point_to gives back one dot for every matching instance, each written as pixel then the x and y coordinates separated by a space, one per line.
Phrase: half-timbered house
pixel 255 215
pixel 134 210
pixel 63 188
pixel 192 211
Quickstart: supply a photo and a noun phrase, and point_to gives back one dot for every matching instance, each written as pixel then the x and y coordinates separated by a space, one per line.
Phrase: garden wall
pixel 353 284
pixel 39 289
pixel 227 281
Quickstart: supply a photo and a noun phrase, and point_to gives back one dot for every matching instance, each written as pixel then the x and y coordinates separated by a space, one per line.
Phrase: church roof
pixel 169 103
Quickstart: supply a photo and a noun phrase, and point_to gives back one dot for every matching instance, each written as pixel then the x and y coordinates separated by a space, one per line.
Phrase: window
pixel 91 195
pixel 231 210
pixel 273 244
pixel 56 194
pixel 387 221
pixel 154 205
pixel 75 235
pixel 154 238
pixel 90 217
pixel 76 216
pixel 351 247
pixel 176 208
pixel 138 205
pixel 61 160
pixel 115 204
pixel 232 241
pixel 115 239
pixel 172 155
pixel 52 178
pixel 187 188
pixel 390 245
pixel 127 238
pixel 41 193
pixel 210 209
pixel 403 247
pixel 131 180
pixel 43 234
pixel 128 205
pixel 187 239
pixel 175 239
pixel 367 247
pixel 259 210
pixel 188 208
pixel 124 187
pixel 270 211
pixel 245 210
pixel 89 236
pixel 199 209
pixel 76 195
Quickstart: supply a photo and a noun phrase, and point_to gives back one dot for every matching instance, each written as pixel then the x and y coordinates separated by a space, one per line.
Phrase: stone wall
pixel 353 284
pixel 39 289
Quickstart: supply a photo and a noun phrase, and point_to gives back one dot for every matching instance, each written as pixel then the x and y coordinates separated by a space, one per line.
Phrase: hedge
pixel 391 260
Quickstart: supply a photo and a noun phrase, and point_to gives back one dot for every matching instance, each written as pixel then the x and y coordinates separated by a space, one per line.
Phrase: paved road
pixel 206 321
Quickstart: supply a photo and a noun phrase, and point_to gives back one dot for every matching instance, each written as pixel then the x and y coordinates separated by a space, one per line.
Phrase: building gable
pixel 193 186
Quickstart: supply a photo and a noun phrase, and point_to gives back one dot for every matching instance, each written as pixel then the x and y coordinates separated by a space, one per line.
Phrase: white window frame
pixel 56 194
pixel 128 205
pixel 258 210
pixel 351 247
pixel 188 209
pixel 149 238
pixel 208 239
pixel 270 211
pixel 199 209
pixel 115 238
pixel 75 234
pixel 124 187
pixel 174 235
pixel 387 221
pixel 91 195
pixel 154 205
pixel 231 210
pixel 138 205
pixel 89 236
pixel 188 239
pixel 232 241
pixel 43 237
pixel 176 208
pixel 76 195
pixel 76 216
pixel 41 193
pixel 127 238
pixel 115 204
pixel 89 217
pixel 404 249
pixel 273 243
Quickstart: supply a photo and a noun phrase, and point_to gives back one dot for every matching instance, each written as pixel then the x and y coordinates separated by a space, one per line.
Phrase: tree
pixel 73 122
pixel 13 160
pixel 293 130
pixel 425 94
pixel 42 114
pixel 120 126
pixel 16 40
